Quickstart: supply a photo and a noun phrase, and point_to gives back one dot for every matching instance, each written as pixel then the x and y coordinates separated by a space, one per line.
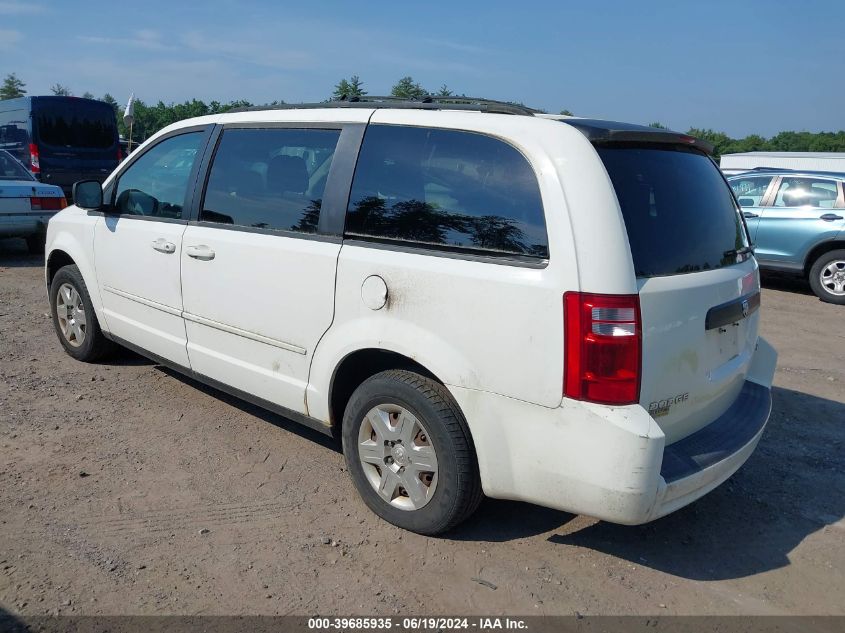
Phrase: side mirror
pixel 88 194
pixel 746 202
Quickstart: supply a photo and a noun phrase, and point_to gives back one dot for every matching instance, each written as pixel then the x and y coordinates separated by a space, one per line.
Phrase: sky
pixel 741 66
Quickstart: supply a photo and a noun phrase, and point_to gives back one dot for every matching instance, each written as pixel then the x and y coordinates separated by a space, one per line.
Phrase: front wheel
pixel 827 277
pixel 74 318
pixel 410 454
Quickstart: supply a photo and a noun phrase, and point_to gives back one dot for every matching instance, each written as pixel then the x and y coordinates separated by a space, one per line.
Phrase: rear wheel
pixel 410 454
pixel 827 277
pixel 74 318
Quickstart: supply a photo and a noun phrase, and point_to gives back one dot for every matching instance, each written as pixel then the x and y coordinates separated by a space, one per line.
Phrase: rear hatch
pixel 698 284
pixel 77 139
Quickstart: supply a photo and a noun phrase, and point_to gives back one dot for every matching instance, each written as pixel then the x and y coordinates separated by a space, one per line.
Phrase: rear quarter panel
pixel 486 326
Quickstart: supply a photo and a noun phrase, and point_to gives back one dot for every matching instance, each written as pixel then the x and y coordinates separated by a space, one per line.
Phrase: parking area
pixel 127 489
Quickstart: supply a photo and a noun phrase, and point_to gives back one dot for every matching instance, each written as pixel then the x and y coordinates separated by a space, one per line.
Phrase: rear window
pixel 11 169
pixel 446 189
pixel 680 215
pixel 75 124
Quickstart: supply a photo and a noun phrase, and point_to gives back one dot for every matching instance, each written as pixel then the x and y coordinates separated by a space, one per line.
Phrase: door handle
pixel 830 217
pixel 163 246
pixel 750 214
pixel 201 252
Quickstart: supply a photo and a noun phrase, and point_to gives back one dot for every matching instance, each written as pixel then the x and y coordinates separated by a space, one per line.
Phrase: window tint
pixel 679 214
pixel 750 190
pixel 156 183
pixel 446 188
pixel 66 123
pixel 270 178
pixel 797 191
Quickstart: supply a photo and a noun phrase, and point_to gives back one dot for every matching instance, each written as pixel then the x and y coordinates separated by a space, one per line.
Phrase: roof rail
pixel 427 102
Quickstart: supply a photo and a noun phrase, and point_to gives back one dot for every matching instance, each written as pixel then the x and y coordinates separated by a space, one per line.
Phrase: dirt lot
pixel 127 489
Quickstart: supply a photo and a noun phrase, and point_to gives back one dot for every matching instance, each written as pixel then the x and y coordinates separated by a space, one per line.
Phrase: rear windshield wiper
pixel 737 252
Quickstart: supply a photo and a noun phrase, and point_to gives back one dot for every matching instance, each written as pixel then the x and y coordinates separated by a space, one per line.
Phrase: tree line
pixel 151 118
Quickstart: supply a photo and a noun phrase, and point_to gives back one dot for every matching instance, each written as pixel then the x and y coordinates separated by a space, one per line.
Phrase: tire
pixel 81 338
pixel 429 430
pixel 827 277
pixel 35 243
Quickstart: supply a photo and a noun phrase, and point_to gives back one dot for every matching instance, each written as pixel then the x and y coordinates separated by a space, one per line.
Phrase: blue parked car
pixel 797 223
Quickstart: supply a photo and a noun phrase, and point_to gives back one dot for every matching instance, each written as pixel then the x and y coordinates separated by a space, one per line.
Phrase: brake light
pixel 34 164
pixel 602 347
pixel 47 204
pixel 119 154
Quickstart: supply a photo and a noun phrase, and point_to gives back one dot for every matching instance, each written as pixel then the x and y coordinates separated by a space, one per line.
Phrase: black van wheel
pixel 35 243
pixel 410 454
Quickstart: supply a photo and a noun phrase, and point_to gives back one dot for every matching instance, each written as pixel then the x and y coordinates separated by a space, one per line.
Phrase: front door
pixel 258 267
pixel 137 246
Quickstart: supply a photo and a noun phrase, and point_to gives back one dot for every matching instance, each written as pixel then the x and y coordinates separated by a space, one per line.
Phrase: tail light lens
pixel 34 163
pixel 119 154
pixel 47 204
pixel 603 347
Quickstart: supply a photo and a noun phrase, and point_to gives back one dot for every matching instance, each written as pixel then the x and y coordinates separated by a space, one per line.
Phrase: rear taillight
pixel 34 164
pixel 119 154
pixel 47 204
pixel 602 347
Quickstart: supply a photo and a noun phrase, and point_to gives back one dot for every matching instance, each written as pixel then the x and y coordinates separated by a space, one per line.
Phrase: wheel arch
pixel 57 259
pixel 354 368
pixel 820 249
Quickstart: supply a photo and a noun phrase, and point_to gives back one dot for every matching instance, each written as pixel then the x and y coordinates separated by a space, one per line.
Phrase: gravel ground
pixel 125 488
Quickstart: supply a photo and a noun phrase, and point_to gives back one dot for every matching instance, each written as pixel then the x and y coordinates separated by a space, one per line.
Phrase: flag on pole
pixel 129 112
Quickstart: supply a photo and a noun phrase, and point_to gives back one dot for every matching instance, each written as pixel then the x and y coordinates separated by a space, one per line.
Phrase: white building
pixel 807 161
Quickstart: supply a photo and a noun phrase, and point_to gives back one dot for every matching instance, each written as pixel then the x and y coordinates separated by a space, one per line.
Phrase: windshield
pixel 680 214
pixel 68 123
pixel 11 169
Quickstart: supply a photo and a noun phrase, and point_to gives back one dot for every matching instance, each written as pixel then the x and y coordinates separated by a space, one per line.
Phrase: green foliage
pixel 346 89
pixel 444 91
pixel 61 91
pixel 658 125
pixel 566 112
pixel 407 88
pixel 12 87
pixel 783 142
pixel 88 95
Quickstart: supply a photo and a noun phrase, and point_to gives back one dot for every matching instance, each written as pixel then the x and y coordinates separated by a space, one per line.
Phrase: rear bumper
pixel 611 462
pixel 24 224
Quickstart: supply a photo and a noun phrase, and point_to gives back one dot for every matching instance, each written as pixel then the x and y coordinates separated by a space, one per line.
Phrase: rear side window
pixel 270 178
pixel 75 124
pixel 446 189
pixel 679 213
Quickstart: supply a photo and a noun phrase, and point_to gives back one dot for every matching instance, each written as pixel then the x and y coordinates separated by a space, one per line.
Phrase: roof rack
pixel 427 102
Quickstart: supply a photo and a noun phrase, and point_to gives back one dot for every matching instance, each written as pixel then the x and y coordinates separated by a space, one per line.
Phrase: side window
pixel 447 189
pixel 750 191
pixel 156 184
pixel 798 191
pixel 270 178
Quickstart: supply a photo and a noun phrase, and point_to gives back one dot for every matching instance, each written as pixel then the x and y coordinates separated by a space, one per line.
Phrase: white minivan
pixel 478 299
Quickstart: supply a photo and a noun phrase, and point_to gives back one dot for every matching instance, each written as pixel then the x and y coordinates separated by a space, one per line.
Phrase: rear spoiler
pixel 600 132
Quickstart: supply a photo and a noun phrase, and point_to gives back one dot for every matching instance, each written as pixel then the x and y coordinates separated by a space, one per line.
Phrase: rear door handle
pixel 830 217
pixel 163 246
pixel 201 252
pixel 750 214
